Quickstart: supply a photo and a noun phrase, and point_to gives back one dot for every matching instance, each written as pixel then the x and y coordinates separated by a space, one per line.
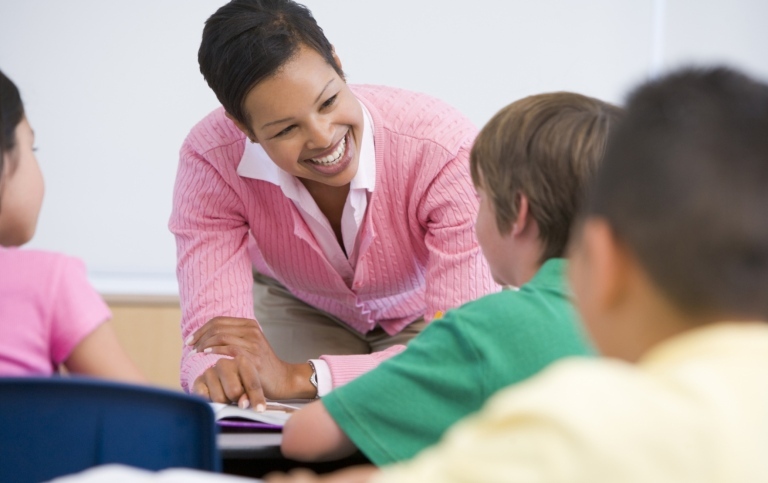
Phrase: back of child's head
pixel 11 114
pixel 684 186
pixel 247 41
pixel 546 147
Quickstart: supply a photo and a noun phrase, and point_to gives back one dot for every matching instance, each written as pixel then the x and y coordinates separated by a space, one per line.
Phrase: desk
pixel 255 454
pixel 242 445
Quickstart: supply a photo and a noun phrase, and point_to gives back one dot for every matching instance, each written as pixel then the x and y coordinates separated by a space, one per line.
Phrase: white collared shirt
pixel 257 164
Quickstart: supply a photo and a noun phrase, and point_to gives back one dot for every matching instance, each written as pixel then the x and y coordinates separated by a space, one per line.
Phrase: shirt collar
pixel 256 164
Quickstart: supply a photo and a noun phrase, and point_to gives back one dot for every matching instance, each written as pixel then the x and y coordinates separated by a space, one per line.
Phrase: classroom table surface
pixel 249 445
pixel 257 453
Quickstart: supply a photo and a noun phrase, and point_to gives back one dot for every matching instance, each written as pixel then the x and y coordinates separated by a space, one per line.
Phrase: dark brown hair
pixel 685 186
pixel 247 41
pixel 11 114
pixel 545 147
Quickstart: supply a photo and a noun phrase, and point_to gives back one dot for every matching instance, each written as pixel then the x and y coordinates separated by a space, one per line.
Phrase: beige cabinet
pixel 149 329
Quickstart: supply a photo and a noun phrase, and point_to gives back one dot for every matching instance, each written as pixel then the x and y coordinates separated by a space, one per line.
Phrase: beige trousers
pixel 298 332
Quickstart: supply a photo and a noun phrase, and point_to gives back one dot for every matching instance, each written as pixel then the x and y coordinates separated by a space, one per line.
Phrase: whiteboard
pixel 112 88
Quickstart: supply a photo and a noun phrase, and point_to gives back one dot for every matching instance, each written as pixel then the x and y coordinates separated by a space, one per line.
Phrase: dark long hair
pixel 11 114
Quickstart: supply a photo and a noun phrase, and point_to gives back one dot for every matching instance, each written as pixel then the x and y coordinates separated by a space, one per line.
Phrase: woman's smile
pixel 336 159
pixel 334 156
pixel 308 120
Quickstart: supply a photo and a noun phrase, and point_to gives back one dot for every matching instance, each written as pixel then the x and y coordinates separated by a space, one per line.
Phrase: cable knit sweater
pixel 418 253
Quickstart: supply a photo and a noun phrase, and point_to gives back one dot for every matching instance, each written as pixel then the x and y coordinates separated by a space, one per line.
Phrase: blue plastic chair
pixel 51 427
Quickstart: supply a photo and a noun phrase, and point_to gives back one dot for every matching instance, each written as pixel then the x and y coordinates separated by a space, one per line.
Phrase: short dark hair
pixel 11 114
pixel 247 41
pixel 685 186
pixel 546 147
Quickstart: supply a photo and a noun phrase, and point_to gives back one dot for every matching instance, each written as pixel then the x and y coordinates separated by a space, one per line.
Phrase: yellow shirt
pixel 694 410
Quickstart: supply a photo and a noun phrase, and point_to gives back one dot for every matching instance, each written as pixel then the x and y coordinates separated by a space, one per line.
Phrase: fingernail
pixel 189 340
pixel 260 408
pixel 207 350
pixel 193 351
pixel 245 404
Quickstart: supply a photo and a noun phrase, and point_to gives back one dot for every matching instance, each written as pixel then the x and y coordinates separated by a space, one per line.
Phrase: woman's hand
pixel 254 372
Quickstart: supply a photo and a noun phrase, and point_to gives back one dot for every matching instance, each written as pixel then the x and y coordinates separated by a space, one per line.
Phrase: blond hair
pixel 545 147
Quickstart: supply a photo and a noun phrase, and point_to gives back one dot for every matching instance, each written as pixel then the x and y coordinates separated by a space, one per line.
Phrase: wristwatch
pixel 313 379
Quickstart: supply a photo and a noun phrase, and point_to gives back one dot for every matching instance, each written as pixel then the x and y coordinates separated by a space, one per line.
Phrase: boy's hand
pixel 254 372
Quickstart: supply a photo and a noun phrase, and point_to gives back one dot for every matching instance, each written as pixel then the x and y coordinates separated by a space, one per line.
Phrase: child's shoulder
pixel 533 306
pixel 541 306
pixel 32 263
pixel 33 255
pixel 576 390
pixel 414 114
pixel 548 287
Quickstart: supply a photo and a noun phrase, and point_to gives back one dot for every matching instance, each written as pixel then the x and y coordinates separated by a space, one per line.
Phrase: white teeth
pixel 335 156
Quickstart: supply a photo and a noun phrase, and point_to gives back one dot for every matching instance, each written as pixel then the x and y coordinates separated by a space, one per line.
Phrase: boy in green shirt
pixel 530 165
pixel 670 272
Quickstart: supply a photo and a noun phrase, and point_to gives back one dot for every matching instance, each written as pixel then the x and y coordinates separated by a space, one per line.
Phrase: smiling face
pixel 307 120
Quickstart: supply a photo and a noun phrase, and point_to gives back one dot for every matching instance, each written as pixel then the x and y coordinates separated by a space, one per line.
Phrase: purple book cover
pixel 248 425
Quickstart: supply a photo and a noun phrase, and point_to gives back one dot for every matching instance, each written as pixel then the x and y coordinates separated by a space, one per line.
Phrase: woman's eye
pixel 284 131
pixel 329 102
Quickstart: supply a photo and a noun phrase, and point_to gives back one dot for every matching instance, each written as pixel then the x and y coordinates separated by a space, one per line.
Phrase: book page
pixel 276 413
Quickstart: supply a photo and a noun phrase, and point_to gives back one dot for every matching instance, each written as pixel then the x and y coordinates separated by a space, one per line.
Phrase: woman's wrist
pixel 301 386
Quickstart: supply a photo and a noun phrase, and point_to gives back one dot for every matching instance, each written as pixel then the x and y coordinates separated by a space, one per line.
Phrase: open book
pixel 276 414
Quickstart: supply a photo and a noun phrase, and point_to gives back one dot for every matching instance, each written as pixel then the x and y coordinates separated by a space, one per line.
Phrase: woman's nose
pixel 320 135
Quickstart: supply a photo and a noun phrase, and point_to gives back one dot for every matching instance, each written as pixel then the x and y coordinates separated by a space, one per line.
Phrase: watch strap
pixel 313 379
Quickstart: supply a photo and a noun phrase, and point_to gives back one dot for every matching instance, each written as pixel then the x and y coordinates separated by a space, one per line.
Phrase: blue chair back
pixel 51 427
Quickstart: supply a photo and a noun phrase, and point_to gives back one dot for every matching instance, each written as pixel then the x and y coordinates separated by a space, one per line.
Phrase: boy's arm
pixel 101 355
pixel 403 398
pixel 311 434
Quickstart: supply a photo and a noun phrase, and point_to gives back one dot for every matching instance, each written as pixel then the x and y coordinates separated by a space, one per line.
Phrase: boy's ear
pixel 242 127
pixel 523 218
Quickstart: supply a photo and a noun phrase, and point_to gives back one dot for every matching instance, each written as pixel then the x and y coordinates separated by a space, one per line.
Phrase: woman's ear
pixel 242 127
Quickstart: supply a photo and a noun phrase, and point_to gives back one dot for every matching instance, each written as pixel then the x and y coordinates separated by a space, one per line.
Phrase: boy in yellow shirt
pixel 670 271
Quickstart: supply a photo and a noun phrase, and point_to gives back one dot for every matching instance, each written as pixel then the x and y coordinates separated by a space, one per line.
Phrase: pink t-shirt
pixel 47 307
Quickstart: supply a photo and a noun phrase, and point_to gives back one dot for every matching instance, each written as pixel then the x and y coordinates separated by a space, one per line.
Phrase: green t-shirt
pixel 452 367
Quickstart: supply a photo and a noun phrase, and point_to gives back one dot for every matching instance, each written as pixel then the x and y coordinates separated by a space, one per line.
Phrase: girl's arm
pixel 311 434
pixel 100 355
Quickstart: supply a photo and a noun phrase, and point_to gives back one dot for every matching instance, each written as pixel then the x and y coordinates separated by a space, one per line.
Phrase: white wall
pixel 111 88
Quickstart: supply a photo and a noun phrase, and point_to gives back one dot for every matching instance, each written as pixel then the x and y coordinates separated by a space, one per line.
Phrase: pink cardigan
pixel 418 252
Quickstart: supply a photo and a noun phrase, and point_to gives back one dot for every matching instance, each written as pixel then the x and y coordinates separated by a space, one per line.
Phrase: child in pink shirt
pixel 49 314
